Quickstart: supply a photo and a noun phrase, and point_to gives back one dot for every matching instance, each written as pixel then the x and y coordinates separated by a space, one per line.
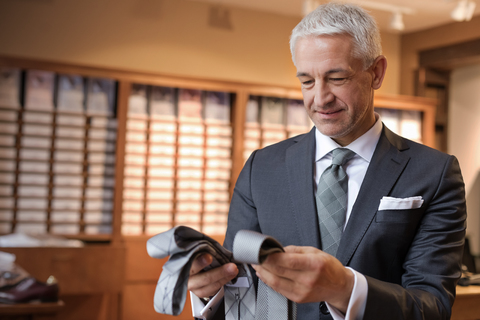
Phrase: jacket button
pixel 323 308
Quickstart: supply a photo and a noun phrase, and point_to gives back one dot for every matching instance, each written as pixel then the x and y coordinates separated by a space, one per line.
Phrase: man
pixel 399 256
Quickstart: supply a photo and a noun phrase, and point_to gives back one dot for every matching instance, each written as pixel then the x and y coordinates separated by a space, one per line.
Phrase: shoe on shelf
pixel 29 290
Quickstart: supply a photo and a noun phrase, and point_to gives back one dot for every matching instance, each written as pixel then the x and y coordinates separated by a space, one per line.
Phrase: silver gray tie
pixel 183 244
pixel 253 248
pixel 331 199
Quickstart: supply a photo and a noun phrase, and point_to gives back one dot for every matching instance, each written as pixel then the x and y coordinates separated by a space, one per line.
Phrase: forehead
pixel 325 51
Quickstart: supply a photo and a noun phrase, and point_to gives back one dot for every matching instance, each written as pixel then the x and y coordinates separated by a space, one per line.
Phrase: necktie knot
pixel 342 156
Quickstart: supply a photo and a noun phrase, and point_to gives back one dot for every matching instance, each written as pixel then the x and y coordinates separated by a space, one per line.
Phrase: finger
pixel 279 263
pixel 296 258
pixel 274 269
pixel 206 284
pixel 297 249
pixel 300 267
pixel 297 285
pixel 280 284
pixel 200 262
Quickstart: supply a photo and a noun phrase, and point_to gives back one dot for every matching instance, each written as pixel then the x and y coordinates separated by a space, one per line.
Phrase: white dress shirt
pixel 356 168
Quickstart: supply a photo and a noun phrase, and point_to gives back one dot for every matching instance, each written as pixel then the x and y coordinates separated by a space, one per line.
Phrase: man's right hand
pixel 208 283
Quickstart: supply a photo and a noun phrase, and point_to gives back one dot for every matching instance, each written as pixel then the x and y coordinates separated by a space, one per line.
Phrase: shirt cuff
pixel 204 311
pixel 357 302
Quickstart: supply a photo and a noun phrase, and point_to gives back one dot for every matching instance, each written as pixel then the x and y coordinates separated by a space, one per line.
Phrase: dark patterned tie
pixel 331 200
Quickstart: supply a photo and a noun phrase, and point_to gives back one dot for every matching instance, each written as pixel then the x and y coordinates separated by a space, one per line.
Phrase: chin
pixel 332 130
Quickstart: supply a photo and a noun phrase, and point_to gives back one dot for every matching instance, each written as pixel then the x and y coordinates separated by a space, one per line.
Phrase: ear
pixel 378 69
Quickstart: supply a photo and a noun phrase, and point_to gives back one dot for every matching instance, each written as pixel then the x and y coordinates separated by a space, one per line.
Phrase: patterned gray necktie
pixel 331 199
pixel 184 244
pixel 253 248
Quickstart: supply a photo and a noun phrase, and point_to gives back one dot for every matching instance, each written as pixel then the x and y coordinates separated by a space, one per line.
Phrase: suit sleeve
pixel 243 213
pixel 433 262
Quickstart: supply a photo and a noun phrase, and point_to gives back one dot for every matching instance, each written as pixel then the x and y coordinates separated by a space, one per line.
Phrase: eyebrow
pixel 306 74
pixel 302 74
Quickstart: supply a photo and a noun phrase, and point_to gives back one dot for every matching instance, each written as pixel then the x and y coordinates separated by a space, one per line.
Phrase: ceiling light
pixel 463 11
pixel 397 21
pixel 470 10
pixel 458 14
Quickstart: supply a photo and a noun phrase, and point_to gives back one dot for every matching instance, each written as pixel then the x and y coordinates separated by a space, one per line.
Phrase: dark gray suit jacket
pixel 411 258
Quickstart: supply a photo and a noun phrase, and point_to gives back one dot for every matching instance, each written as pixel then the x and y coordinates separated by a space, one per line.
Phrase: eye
pixel 338 80
pixel 307 83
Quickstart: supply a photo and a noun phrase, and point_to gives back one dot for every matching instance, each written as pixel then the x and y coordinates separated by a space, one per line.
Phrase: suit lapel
pixel 385 168
pixel 300 177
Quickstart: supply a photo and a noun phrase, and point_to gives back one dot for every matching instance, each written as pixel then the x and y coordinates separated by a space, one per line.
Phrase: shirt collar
pixel 364 146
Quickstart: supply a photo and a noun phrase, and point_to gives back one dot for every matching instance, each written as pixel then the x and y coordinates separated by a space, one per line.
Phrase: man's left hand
pixel 307 274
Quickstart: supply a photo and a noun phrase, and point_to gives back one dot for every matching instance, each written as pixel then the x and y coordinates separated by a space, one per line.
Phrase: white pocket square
pixel 390 203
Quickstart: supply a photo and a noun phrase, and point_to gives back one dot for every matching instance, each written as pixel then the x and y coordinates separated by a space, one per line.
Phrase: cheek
pixel 308 99
pixel 364 90
pixel 354 98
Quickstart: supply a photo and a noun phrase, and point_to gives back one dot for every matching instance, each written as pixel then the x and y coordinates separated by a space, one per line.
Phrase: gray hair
pixel 336 18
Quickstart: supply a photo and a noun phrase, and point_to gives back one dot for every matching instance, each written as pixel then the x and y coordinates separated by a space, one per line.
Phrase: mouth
pixel 329 114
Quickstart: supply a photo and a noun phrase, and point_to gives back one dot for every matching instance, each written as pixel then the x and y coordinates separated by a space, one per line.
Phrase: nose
pixel 323 94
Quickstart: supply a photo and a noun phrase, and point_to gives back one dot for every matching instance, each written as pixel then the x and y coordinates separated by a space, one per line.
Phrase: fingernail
pixel 231 269
pixel 203 260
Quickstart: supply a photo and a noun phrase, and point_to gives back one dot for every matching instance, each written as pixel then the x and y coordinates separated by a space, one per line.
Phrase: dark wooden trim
pixel 123 93
pixel 449 57
pixel 238 124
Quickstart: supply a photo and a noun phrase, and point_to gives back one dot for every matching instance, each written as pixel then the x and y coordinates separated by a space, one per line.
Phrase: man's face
pixel 337 91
